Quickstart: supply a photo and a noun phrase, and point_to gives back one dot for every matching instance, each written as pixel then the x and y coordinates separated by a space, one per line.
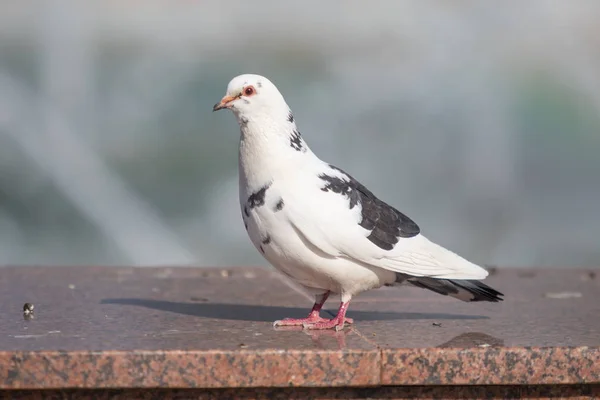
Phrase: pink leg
pixel 313 317
pixel 337 322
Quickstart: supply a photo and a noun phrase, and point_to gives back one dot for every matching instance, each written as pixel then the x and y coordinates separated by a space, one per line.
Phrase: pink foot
pixel 337 323
pixel 311 319
pixel 308 321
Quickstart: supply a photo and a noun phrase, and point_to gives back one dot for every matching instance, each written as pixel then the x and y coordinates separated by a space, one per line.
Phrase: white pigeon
pixel 322 228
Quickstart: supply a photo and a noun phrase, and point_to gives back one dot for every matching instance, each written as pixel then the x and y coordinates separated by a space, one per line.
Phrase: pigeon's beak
pixel 224 103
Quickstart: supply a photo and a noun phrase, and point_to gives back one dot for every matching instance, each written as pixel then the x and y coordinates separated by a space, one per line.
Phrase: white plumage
pixel 322 228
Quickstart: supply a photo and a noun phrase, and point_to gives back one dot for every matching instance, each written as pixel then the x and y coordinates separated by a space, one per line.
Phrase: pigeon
pixel 321 227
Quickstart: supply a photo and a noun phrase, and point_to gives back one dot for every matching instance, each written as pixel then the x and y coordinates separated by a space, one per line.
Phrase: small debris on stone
pixel 563 295
pixel 71 286
pixel 484 345
pixel 200 299
pixel 28 311
pixel 249 275
pixel 243 346
pixel 225 273
pixel 437 324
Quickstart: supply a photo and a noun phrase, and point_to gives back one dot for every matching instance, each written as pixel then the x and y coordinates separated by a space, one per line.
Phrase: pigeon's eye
pixel 249 91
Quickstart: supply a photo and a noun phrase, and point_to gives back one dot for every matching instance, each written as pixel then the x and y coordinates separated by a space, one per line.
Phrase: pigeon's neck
pixel 270 146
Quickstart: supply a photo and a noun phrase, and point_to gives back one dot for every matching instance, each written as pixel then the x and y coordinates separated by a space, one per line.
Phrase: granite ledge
pixel 210 328
pixel 188 369
pixel 491 366
pixel 276 368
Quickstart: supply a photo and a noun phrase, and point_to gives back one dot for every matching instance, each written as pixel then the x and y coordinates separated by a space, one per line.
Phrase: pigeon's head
pixel 251 97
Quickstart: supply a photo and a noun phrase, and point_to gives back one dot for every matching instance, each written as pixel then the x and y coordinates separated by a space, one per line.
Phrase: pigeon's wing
pixel 341 218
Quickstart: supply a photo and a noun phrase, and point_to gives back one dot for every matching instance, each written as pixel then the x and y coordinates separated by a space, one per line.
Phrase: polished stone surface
pixel 533 314
pixel 212 328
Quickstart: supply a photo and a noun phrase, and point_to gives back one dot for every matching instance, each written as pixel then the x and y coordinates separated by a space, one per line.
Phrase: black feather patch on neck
pixel 296 141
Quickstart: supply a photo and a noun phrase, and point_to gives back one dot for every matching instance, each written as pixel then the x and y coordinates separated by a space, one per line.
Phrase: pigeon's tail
pixel 462 289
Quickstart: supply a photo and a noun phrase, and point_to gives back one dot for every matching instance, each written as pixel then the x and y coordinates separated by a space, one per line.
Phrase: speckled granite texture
pixel 189 369
pixel 491 366
pixel 186 328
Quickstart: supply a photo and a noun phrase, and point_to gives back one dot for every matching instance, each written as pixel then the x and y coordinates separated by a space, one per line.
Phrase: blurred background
pixel 479 120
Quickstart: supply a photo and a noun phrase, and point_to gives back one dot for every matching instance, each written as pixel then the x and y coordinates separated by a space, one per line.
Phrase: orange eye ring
pixel 249 91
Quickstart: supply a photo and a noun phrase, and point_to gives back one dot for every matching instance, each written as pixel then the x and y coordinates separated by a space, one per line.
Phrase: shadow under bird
pixel 321 227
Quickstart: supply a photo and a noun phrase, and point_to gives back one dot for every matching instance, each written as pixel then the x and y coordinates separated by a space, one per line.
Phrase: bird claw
pixel 298 321
pixel 313 323
pixel 336 323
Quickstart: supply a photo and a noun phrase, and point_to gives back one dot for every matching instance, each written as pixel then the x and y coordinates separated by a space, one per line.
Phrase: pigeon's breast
pixel 265 218
pixel 266 214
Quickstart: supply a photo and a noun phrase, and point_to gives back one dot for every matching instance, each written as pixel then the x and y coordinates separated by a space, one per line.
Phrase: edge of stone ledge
pixel 491 366
pixel 189 369
pixel 295 368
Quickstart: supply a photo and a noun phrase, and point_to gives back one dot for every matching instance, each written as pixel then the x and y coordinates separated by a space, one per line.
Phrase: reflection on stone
pixel 473 339
pixel 321 338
